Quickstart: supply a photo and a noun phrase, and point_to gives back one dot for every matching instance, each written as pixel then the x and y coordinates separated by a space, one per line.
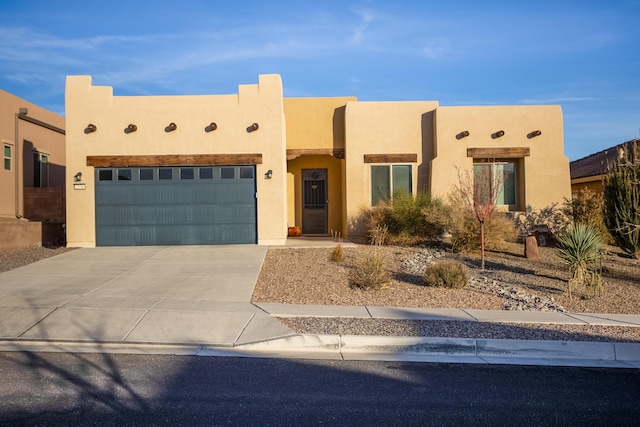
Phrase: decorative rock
pixel 531 247
pixel 517 299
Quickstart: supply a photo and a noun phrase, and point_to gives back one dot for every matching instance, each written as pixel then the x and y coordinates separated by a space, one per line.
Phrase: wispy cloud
pixel 556 100
pixel 366 18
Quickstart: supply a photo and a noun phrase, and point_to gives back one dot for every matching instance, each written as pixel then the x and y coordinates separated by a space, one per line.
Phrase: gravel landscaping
pixel 510 282
pixel 15 258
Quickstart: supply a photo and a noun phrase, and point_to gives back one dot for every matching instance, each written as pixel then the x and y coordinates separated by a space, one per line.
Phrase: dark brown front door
pixel 314 201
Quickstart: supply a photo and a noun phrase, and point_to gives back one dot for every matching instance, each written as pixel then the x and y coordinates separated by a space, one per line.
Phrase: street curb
pixel 454 350
pixel 380 348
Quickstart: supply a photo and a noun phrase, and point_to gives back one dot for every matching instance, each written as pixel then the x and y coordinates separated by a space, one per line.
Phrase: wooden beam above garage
pixel 498 152
pixel 174 160
pixel 391 158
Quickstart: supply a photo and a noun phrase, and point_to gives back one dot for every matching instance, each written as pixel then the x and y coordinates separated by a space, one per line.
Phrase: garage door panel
pixel 171 212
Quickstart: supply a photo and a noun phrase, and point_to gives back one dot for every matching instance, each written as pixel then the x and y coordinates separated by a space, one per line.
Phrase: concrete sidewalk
pixel 196 300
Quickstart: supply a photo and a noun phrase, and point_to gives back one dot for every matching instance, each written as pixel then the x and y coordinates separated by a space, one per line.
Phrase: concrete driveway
pixel 158 295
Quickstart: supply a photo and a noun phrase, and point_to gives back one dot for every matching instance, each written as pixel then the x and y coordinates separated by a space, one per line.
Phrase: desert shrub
pixel 378 235
pixel 587 207
pixel 449 274
pixel 552 216
pixel 436 217
pixel 369 273
pixel 373 218
pixel 408 220
pixel 337 254
pixel 581 247
pixel 622 200
pixel 465 228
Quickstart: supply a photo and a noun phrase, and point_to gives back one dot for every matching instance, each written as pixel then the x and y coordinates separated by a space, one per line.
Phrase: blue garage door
pixel 187 205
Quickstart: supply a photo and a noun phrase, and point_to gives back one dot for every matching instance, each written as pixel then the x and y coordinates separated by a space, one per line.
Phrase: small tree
pixel 622 200
pixel 479 191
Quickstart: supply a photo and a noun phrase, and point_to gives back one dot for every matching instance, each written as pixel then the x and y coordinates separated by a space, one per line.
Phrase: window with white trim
pixel 387 180
pixel 8 154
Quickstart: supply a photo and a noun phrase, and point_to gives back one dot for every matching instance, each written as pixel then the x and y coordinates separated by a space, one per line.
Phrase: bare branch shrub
pixel 479 192
pixel 552 216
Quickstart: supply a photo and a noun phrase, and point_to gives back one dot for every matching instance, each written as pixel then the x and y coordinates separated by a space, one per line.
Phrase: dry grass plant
pixel 369 272
pixel 337 254
pixel 448 274
pixel 378 235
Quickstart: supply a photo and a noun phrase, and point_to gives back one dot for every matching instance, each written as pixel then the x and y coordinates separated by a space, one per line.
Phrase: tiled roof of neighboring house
pixel 597 163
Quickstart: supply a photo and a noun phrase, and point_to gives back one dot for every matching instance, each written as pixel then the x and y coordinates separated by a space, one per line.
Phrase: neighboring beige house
pixel 242 168
pixel 32 176
pixel 590 171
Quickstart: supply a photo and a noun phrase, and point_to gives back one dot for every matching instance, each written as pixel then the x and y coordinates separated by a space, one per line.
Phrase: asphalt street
pixel 112 389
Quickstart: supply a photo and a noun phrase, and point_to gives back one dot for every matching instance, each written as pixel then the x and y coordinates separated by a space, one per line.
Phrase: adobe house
pixel 32 177
pixel 590 171
pixel 243 168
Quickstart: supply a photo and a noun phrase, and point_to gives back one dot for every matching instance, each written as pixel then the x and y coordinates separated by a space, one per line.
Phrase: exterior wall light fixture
pixel 172 126
pixel 534 134
pixel 90 128
pixel 77 177
pixel 254 127
pixel 131 128
pixel 498 134
pixel 463 134
pixel 269 174
pixel 212 126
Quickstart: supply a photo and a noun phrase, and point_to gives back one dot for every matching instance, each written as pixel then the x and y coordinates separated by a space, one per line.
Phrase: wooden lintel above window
pixel 338 153
pixel 498 152
pixel 391 158
pixel 174 160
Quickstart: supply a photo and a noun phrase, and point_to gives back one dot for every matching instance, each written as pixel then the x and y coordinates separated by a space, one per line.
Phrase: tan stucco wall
pixel 544 175
pixel 315 123
pixel 261 103
pixel 381 128
pixel 31 137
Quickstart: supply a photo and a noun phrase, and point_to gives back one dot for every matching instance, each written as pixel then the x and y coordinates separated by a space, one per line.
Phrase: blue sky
pixel 582 55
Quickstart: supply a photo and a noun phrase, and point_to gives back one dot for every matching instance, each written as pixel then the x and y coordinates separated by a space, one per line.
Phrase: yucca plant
pixel 581 247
